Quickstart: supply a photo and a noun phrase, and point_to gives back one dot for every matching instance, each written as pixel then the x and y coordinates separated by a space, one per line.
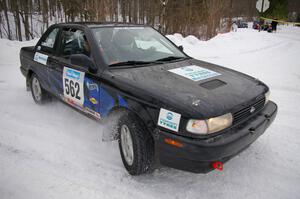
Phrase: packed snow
pixel 52 151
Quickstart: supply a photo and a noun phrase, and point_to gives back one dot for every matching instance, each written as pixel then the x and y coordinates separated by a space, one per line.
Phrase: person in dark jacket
pixel 261 23
pixel 274 25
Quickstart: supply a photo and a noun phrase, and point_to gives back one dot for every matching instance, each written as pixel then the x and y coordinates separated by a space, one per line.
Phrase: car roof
pixel 101 24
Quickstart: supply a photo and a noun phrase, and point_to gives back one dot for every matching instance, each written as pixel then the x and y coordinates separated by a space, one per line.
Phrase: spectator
pixel 274 25
pixel 234 27
pixel 261 25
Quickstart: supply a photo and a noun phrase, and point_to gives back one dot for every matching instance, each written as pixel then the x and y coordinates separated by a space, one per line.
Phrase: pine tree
pixel 278 9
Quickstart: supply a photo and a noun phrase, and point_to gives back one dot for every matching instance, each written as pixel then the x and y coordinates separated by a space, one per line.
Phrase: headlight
pixel 267 97
pixel 211 125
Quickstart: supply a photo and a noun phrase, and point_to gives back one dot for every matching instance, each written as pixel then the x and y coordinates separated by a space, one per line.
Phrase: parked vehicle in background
pixel 242 24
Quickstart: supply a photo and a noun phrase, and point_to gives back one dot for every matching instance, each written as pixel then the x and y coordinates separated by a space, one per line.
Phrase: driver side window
pixel 74 42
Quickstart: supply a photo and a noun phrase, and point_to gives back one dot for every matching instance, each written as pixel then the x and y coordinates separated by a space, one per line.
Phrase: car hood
pixel 209 97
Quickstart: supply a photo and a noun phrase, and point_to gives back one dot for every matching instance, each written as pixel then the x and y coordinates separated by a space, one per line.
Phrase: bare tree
pixel 202 18
pixel 5 8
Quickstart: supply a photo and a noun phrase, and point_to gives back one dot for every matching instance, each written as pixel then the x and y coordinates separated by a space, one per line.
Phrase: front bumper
pixel 197 155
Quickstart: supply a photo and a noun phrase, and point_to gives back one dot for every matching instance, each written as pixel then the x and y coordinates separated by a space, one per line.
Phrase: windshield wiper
pixel 130 63
pixel 158 61
pixel 170 58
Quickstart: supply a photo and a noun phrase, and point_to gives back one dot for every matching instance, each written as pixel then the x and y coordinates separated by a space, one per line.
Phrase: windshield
pixel 134 45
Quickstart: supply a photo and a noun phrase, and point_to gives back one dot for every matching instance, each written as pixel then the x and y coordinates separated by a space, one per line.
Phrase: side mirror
pixel 180 48
pixel 84 61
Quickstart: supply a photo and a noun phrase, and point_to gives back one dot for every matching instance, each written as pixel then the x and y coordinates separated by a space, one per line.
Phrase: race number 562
pixel 73 85
pixel 72 88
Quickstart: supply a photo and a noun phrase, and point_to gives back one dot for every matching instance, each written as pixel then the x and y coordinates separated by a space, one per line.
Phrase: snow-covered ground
pixel 52 151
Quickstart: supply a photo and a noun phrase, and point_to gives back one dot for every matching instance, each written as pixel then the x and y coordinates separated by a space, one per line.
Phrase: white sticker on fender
pixel 195 73
pixel 73 85
pixel 41 58
pixel 169 120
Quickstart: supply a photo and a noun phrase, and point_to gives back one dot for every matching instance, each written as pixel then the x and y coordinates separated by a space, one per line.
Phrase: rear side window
pixel 74 42
pixel 48 42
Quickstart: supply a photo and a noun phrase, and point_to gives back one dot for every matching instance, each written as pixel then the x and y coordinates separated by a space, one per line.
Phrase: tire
pixel 142 145
pixel 39 95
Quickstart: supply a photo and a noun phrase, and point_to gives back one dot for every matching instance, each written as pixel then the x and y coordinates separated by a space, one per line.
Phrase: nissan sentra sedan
pixel 167 107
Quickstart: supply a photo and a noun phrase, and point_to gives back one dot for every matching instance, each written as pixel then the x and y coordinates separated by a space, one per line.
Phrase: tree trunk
pixel 5 8
pixel 31 19
pixel 1 23
pixel 17 21
pixel 24 15
pixel 123 10
pixel 45 14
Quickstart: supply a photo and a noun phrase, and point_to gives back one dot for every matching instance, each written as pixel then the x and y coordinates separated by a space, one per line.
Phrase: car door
pixel 77 86
pixel 43 56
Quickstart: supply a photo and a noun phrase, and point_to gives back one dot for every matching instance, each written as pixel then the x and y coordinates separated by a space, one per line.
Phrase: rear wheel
pixel 39 95
pixel 135 144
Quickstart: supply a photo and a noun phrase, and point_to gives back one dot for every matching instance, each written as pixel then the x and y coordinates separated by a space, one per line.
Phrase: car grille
pixel 246 112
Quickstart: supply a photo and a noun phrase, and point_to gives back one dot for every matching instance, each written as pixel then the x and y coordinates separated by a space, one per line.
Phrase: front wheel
pixel 135 144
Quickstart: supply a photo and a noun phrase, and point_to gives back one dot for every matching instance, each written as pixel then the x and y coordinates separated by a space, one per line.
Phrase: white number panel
pixel 73 85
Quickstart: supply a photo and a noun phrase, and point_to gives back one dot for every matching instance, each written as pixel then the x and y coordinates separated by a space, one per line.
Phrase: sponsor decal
pixel 93 100
pixel 73 74
pixel 92 86
pixel 84 109
pixel 195 73
pixel 40 58
pixel 169 120
pixel 93 113
pixel 169 116
pixel 72 103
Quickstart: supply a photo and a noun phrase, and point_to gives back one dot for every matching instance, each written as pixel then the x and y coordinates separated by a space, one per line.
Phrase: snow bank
pixel 242 42
pixel 52 151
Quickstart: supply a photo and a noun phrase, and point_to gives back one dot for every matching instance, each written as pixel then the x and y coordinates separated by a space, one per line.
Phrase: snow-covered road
pixel 52 151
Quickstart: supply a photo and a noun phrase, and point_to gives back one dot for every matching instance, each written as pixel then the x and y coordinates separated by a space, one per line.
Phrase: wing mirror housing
pixel 180 48
pixel 84 61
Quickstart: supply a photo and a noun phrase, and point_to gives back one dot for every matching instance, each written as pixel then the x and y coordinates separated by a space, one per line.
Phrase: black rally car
pixel 184 113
